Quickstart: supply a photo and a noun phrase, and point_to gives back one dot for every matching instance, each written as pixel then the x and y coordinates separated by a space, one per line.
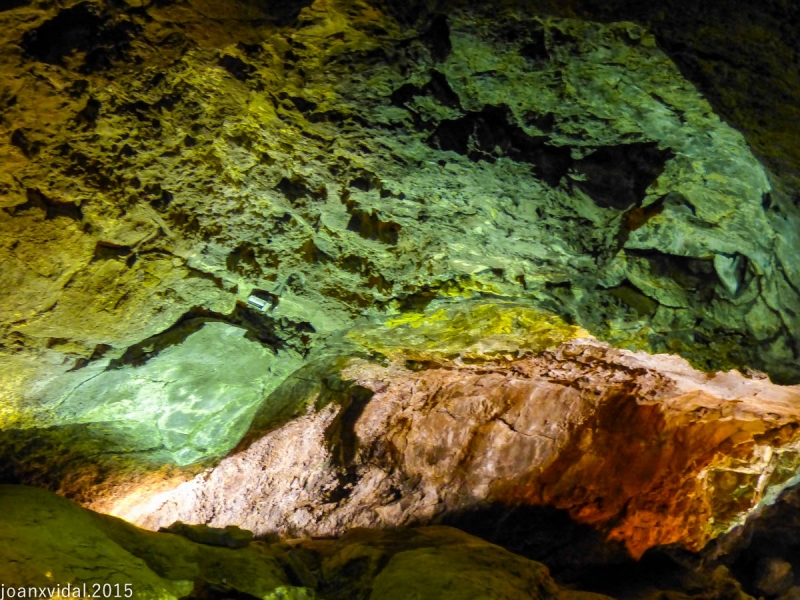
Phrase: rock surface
pixel 49 541
pixel 348 164
pixel 163 158
pixel 763 553
pixel 175 401
pixel 642 447
pixel 428 562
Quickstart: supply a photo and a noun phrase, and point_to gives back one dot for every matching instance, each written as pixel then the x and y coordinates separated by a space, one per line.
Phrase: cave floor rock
pixel 48 541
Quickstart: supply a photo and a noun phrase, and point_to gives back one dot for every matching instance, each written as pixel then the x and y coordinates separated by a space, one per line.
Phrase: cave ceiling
pixel 228 226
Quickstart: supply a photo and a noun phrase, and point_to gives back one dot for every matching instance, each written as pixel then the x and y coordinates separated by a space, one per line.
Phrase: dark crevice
pixel 629 295
pixel 613 176
pixel 618 176
pixel 236 67
pixel 138 354
pixel 79 29
pixel 635 218
pixel 198 274
pixel 691 274
pixel 342 440
pixel 438 88
pixel 363 180
pixel 87 116
pixel 109 251
pixel 20 138
pixel 490 133
pixel 276 334
pixel 75 28
pixel 12 4
pixel 52 208
pixel 544 534
pixel 340 584
pixel 297 189
pixel 543 121
pixel 437 38
pixel 204 590
pixel 371 227
pixel 284 12
pixel 163 201
pixel 536 49
pixel 243 260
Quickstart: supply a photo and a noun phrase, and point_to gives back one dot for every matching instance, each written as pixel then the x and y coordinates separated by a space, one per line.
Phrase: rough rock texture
pixel 162 158
pixel 161 162
pixel 428 562
pixel 744 57
pixel 765 552
pixel 176 401
pixel 642 447
pixel 49 541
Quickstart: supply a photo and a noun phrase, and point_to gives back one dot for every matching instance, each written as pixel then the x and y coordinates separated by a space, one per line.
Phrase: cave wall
pixel 159 162
pixel 628 171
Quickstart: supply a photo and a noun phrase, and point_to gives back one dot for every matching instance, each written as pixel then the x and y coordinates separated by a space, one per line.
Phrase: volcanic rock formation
pixel 643 447
pixel 51 543
pixel 302 266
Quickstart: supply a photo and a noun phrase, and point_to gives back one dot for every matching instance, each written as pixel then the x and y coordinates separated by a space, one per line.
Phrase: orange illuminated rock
pixel 643 447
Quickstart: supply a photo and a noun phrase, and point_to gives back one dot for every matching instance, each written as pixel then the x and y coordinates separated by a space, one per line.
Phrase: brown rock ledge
pixel 643 447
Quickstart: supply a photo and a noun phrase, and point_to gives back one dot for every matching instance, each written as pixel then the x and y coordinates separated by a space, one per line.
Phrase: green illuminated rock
pixel 343 172
pixel 467 330
pixel 186 404
pixel 50 541
pixel 350 166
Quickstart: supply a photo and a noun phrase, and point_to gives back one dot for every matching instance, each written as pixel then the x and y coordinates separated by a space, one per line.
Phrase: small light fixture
pixel 258 303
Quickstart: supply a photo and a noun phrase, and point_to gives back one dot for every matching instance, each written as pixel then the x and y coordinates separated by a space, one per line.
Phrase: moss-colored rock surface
pixel 174 402
pixel 459 573
pixel 348 164
pixel 428 562
pixel 472 330
pixel 353 167
pixel 48 541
